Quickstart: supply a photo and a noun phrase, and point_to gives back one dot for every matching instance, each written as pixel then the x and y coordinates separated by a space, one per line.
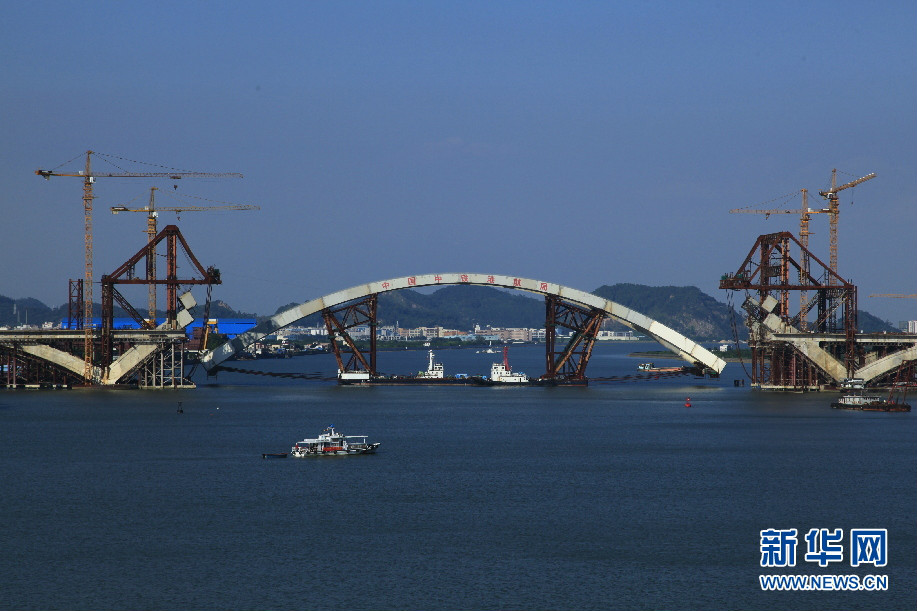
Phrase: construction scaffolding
pixel 164 369
pixel 149 356
pixel 790 352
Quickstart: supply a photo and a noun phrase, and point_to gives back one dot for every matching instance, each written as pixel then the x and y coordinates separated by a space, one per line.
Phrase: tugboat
pixel 434 370
pixel 870 403
pixel 502 373
pixel 434 376
pixel 332 443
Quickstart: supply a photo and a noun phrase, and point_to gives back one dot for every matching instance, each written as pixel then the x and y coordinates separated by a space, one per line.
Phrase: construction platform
pixel 52 358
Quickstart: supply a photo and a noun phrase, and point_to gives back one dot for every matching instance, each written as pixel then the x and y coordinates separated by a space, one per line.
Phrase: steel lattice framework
pixel 778 265
pixel 339 320
pixel 569 363
pixel 175 243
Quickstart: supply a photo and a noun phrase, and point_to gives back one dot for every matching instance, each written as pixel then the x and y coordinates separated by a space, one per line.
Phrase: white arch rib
pixel 685 348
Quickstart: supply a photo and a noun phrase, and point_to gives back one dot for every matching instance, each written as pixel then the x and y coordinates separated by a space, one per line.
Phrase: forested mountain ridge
pixel 685 309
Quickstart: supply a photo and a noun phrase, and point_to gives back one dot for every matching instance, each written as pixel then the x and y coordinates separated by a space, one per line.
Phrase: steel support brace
pixel 172 278
pixel 75 305
pixel 107 323
pixel 853 359
pixel 339 320
pixel 569 363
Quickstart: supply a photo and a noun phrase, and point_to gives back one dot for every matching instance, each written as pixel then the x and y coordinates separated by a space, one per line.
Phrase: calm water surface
pixel 609 497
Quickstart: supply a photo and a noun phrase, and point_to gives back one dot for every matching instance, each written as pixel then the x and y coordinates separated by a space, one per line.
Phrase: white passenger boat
pixel 332 443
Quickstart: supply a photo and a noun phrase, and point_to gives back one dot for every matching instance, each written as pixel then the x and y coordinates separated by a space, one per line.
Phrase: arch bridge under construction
pixel 153 358
pixel 809 348
pixel 580 312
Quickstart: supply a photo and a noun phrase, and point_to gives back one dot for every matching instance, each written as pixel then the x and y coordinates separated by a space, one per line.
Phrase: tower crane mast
pixel 89 176
pixel 834 210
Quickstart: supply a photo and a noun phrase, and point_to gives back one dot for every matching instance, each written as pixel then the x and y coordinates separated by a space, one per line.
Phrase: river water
pixel 614 496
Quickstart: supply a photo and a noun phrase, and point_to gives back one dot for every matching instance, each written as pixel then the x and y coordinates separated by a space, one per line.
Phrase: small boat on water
pixel 652 367
pixel 488 350
pixel 870 403
pixel 332 443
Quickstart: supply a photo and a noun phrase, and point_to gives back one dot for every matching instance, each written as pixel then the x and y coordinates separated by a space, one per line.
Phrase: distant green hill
pixel 15 312
pixel 868 323
pixel 454 307
pixel 683 308
pixel 461 307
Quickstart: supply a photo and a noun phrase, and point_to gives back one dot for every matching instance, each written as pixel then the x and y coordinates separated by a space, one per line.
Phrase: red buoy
pixel 688 402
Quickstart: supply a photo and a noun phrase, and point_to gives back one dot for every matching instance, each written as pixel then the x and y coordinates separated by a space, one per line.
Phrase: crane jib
pixel 169 175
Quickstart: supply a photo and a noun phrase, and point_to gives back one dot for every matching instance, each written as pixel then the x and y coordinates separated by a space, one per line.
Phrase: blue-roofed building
pixel 231 327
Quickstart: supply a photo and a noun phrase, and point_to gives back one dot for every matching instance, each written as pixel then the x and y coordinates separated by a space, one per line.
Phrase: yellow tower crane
pixel 89 176
pixel 834 210
pixel 151 230
pixel 804 233
pixel 804 215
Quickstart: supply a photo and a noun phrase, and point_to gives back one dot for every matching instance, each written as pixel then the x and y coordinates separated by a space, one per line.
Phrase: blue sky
pixel 583 143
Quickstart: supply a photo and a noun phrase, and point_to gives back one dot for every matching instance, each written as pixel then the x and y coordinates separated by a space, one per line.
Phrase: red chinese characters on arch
pixel 517 281
pixel 412 281
pixel 464 277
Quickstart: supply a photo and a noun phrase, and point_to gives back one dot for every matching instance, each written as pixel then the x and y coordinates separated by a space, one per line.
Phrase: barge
pixel 870 403
pixel 501 374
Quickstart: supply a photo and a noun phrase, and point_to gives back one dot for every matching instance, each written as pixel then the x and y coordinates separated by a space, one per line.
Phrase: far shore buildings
pixel 233 327
pixel 397 333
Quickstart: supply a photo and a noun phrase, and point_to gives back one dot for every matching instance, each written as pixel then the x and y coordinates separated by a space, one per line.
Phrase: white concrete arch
pixel 685 348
